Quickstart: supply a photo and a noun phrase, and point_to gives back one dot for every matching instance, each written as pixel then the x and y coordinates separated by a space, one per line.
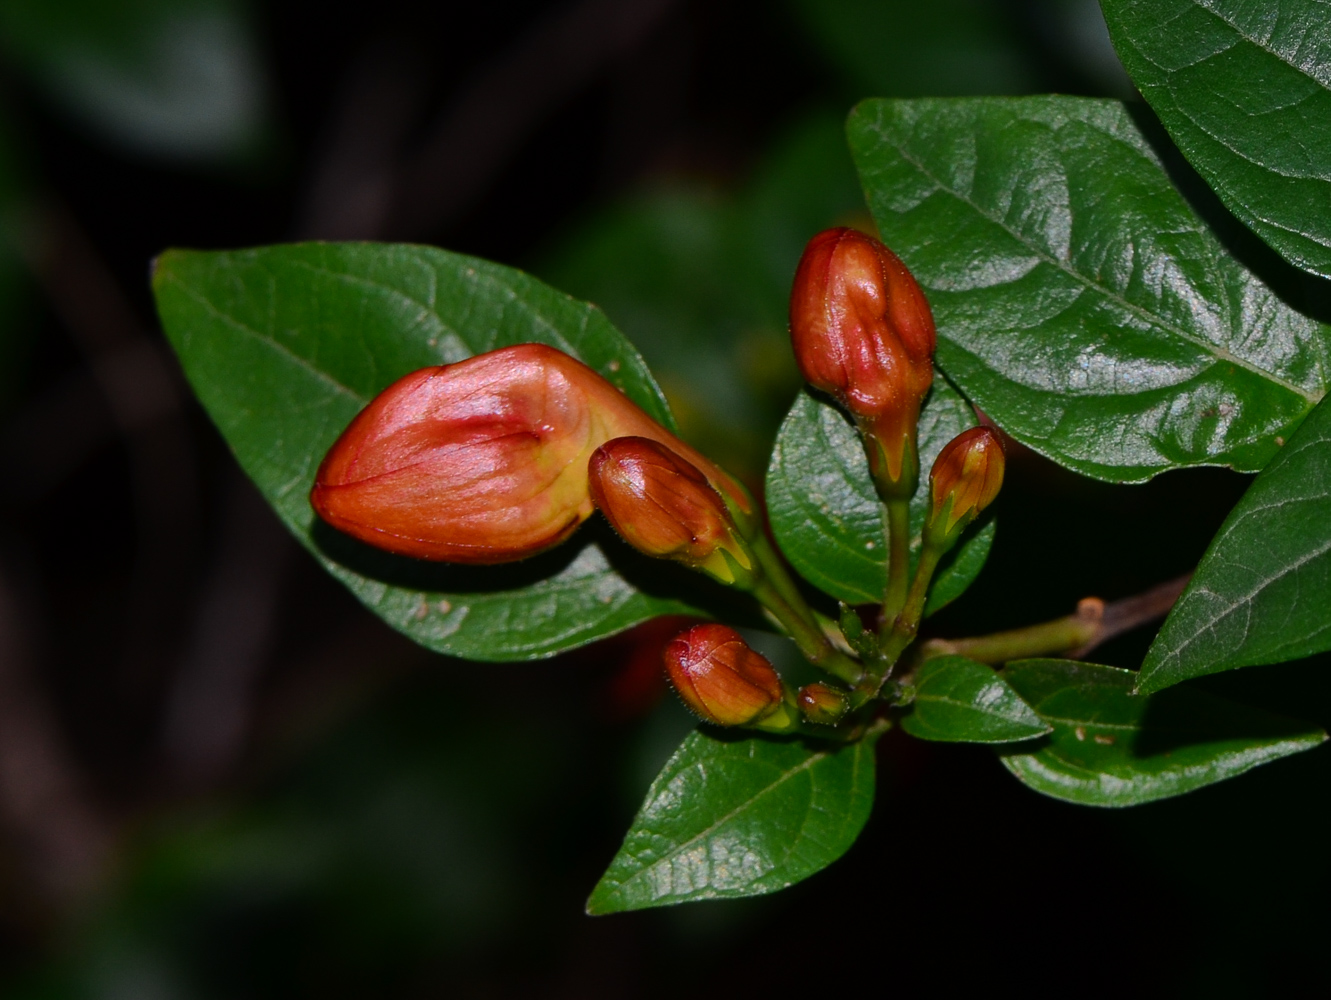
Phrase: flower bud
pixel 822 704
pixel 664 507
pixel 720 678
pixel 966 478
pixel 862 332
pixel 483 461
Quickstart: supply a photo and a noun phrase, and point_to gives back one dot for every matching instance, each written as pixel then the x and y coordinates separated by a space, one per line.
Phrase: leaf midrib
pixel 1219 353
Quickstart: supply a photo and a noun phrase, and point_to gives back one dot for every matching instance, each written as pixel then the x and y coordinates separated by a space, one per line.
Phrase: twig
pixel 1126 614
pixel 1075 635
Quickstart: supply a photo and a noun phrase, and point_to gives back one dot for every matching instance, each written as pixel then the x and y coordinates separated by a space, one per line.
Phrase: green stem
pixel 774 570
pixel 897 523
pixel 812 643
pixel 1062 635
pixel 902 632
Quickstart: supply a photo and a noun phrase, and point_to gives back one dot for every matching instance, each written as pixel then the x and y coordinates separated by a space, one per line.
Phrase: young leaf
pixel 959 700
pixel 1110 747
pixel 1080 302
pixel 733 816
pixel 1262 593
pixel 1245 91
pixel 285 344
pixel 827 516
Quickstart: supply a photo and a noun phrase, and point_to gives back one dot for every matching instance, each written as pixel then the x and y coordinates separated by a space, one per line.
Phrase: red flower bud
pixel 483 461
pixel 719 677
pixel 966 478
pixel 663 506
pixel 862 332
pixel 822 704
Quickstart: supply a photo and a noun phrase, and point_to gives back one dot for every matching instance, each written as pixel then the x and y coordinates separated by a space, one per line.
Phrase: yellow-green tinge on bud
pixel 664 507
pixel 966 478
pixel 822 704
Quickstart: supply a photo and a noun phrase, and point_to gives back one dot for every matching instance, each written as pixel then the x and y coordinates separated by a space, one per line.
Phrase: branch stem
pixel 907 623
pixel 1075 635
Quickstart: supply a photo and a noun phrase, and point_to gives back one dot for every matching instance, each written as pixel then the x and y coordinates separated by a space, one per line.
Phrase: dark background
pixel 220 777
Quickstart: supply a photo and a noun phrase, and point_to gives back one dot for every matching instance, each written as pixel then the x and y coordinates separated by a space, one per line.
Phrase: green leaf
pixel 827 517
pixel 959 700
pixel 284 345
pixel 1080 301
pixel 1245 91
pixel 733 816
pixel 1110 747
pixel 1262 593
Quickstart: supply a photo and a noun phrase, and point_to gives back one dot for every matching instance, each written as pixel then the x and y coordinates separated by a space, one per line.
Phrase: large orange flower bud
pixel 483 461
pixel 720 678
pixel 664 507
pixel 862 332
pixel 965 479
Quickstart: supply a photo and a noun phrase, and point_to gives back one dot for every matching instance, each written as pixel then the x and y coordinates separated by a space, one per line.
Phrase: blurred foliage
pixel 14 327
pixel 939 48
pixel 390 844
pixel 699 279
pixel 179 79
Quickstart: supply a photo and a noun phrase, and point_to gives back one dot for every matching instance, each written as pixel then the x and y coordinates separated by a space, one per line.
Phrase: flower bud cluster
pixel 503 455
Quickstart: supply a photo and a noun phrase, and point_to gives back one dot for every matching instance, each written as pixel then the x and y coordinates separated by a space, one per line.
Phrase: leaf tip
pixel 1147 682
pixel 603 901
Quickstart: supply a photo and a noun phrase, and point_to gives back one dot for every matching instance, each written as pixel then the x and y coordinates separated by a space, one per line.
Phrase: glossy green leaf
pixel 733 816
pixel 1245 90
pixel 284 345
pixel 958 700
pixel 1080 301
pixel 1110 747
pixel 1262 592
pixel 827 517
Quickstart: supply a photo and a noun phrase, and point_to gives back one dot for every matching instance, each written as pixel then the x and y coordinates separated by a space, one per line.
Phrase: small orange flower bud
pixel 862 332
pixel 483 461
pixel 822 704
pixel 720 678
pixel 664 507
pixel 966 478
